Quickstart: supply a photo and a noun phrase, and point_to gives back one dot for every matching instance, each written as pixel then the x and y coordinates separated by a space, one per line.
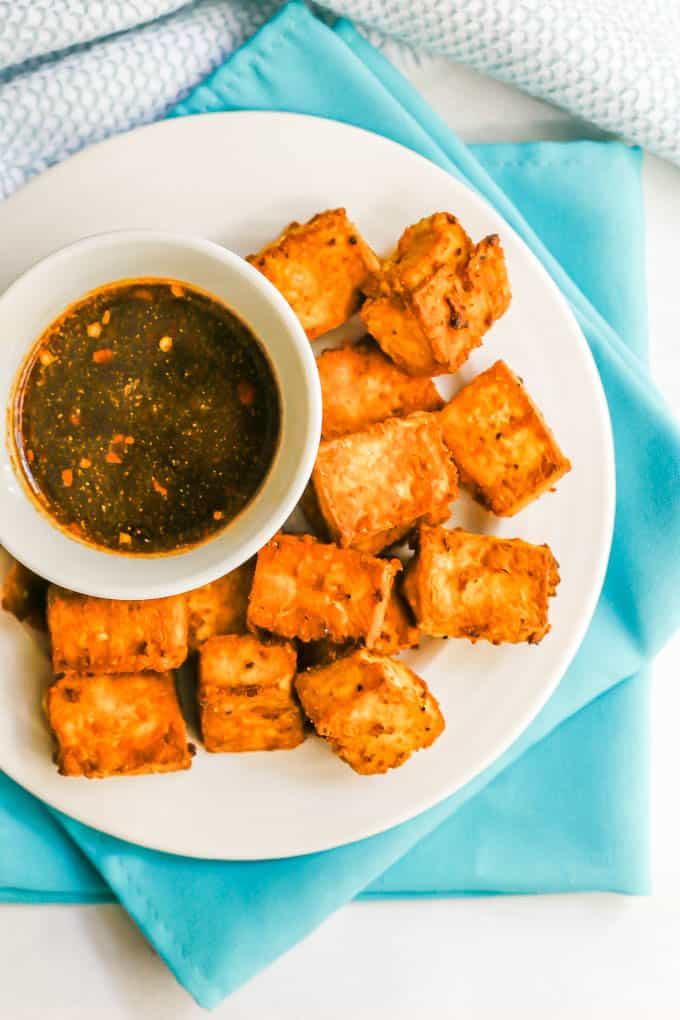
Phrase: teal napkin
pixel 566 806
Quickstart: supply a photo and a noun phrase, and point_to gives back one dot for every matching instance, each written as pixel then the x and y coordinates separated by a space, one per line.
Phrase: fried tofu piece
pixel 24 595
pixel 319 267
pixel 121 725
pixel 310 590
pixel 397 634
pixel 373 486
pixel 433 300
pixel 390 320
pixel 221 606
pixel 461 585
pixel 246 696
pixel 114 636
pixel 506 454
pixel 361 386
pixel 373 711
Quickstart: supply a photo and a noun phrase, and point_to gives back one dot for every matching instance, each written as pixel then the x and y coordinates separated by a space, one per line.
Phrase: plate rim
pixel 607 511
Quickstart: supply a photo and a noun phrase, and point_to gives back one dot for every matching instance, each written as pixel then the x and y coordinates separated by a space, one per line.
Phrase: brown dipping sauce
pixel 146 417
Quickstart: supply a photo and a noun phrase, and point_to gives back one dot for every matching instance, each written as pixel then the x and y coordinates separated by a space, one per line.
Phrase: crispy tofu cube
pixel 397 634
pixel 373 711
pixel 506 454
pixel 24 595
pixel 382 540
pixel 478 586
pixel 121 725
pixel 113 636
pixel 373 486
pixel 309 590
pixel 398 631
pixel 390 320
pixel 361 386
pixel 319 267
pixel 221 606
pixel 246 696
pixel 431 302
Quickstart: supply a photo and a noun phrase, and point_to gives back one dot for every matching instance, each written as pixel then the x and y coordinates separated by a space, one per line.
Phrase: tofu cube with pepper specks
pixel 121 725
pixel 319 267
pixel 431 302
pixel 506 454
pixel 220 607
pixel 246 696
pixel 461 585
pixel 311 590
pixel 361 386
pixel 114 636
pixel 373 711
pixel 397 633
pixel 373 486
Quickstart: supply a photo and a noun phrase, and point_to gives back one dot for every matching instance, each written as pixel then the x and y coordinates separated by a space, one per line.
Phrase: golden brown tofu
pixel 246 696
pixel 390 320
pixel 319 267
pixel 221 606
pixel 506 454
pixel 398 631
pixel 310 590
pixel 373 711
pixel 24 595
pixel 461 585
pixel 397 634
pixel 373 486
pixel 111 636
pixel 433 300
pixel 121 725
pixel 361 386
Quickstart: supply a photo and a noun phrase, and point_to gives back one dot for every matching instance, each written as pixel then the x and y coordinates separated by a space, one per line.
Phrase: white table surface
pixel 550 957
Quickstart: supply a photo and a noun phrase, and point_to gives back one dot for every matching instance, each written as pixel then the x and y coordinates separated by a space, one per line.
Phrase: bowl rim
pixel 180 580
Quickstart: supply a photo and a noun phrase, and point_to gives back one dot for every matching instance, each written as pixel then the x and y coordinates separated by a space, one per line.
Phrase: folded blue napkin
pixel 566 806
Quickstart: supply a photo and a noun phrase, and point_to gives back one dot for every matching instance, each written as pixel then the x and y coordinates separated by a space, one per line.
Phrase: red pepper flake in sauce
pixel 165 344
pixel 246 393
pixel 197 424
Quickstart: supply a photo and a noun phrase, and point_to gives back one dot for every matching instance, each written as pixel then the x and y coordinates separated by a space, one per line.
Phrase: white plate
pixel 237 178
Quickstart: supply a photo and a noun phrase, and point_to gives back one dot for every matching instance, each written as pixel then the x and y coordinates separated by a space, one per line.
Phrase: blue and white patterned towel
pixel 75 71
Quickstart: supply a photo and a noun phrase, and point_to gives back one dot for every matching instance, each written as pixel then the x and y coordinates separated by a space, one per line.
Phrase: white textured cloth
pixel 75 71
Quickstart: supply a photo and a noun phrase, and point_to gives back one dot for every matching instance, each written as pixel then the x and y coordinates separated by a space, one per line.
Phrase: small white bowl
pixel 41 294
